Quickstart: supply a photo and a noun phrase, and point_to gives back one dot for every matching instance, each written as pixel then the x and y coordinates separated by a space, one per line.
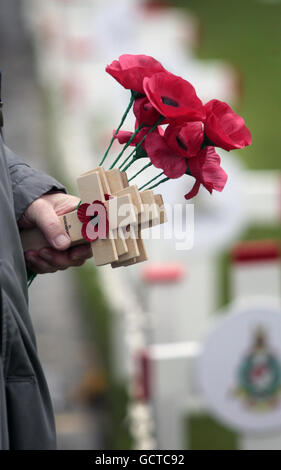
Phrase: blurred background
pixel 183 351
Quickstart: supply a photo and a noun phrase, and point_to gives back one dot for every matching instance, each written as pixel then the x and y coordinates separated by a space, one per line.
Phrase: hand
pixel 43 213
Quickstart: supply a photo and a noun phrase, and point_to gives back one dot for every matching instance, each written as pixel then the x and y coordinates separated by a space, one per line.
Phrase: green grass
pixel 247 34
pixel 205 433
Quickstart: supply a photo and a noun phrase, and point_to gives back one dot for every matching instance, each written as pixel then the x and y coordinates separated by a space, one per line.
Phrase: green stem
pixel 124 162
pixel 139 144
pixel 150 181
pixel 125 146
pixel 157 184
pixel 30 277
pixel 140 171
pixel 129 164
pixel 118 128
pixel 75 208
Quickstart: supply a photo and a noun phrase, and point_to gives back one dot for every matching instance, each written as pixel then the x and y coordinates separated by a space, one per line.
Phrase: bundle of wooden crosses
pixel 112 224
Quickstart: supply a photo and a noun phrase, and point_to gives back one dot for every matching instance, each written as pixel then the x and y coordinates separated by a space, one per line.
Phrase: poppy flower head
pixel 145 113
pixel 130 70
pixel 224 127
pixel 173 97
pixel 162 156
pixel 206 169
pixel 185 140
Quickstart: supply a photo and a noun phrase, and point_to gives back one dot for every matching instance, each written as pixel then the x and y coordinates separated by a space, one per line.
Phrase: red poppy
pixel 173 97
pixel 145 113
pixel 94 220
pixel 130 70
pixel 185 140
pixel 224 127
pixel 163 157
pixel 206 169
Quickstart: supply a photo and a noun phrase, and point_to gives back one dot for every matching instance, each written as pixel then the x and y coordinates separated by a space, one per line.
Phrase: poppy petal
pixel 194 191
pixel 224 127
pixel 173 97
pixel 131 69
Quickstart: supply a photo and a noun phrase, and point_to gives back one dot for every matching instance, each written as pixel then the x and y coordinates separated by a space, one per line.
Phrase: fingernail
pixel 62 241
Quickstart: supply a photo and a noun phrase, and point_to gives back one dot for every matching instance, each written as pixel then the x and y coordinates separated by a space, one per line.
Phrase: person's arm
pixel 38 200
pixel 28 183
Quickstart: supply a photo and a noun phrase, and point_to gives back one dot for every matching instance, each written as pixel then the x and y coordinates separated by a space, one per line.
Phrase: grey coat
pixel 26 414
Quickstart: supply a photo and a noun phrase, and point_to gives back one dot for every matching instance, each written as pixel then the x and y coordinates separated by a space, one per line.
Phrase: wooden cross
pixel 123 245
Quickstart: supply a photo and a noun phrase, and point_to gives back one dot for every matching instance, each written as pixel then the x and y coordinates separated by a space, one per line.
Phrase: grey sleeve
pixel 28 183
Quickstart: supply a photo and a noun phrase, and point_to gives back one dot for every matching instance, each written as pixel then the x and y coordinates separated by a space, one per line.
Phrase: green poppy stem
pixel 132 99
pixel 157 184
pixel 30 276
pixel 124 162
pixel 139 144
pixel 125 146
pixel 75 208
pixel 129 164
pixel 150 181
pixel 140 171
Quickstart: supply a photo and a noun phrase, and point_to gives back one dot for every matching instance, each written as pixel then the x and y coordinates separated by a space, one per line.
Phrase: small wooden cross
pixel 123 245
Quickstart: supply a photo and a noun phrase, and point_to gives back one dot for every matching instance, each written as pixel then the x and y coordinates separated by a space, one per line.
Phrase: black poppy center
pixel 180 143
pixel 207 142
pixel 169 102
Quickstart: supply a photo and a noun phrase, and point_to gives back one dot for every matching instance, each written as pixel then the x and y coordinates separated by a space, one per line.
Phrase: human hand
pixel 43 213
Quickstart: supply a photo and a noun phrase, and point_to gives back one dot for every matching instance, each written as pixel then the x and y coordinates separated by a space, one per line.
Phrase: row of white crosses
pixel 128 210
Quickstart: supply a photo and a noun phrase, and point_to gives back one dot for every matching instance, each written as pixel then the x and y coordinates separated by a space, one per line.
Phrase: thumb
pixel 48 222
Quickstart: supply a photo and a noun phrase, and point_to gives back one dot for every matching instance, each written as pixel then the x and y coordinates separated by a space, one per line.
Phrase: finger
pixel 38 265
pixel 78 263
pixel 48 222
pixel 81 252
pixel 57 259
pixel 63 259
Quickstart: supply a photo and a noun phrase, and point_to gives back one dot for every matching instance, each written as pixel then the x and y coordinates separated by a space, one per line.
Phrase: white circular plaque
pixel 240 369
